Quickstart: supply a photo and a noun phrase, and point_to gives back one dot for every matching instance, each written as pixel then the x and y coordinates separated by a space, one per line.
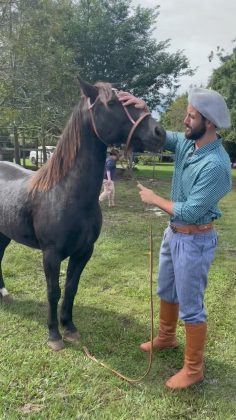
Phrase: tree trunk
pixel 16 145
pixel 23 148
pixel 43 142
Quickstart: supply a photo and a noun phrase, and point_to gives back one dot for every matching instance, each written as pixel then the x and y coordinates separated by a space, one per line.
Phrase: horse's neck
pixel 88 170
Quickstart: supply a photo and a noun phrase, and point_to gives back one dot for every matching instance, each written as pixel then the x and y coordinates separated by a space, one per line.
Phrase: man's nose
pixel 186 120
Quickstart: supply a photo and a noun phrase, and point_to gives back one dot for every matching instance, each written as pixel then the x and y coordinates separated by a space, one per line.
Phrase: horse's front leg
pixel 52 262
pixel 76 264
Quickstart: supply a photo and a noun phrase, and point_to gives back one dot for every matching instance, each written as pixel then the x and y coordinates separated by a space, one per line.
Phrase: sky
pixel 197 28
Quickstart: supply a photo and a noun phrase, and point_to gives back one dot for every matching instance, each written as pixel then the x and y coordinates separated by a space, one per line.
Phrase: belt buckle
pixel 173 228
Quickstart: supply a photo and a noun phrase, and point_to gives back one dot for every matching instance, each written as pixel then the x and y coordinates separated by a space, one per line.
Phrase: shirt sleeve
pixel 110 164
pixel 213 183
pixel 172 140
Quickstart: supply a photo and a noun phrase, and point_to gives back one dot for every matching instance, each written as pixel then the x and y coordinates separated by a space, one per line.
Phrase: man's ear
pixel 210 124
pixel 88 90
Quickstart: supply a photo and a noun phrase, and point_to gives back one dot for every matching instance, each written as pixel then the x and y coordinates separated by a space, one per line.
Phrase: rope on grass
pixel 120 375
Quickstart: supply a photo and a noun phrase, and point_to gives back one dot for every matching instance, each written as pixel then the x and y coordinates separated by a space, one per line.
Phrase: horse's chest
pixel 71 231
pixel 85 230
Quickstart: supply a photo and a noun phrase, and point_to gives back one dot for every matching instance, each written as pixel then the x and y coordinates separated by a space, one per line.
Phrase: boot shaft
pixel 166 337
pixel 194 349
pixel 192 371
pixel 169 312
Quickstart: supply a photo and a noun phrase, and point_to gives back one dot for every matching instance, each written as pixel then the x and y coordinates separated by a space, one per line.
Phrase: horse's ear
pixel 88 90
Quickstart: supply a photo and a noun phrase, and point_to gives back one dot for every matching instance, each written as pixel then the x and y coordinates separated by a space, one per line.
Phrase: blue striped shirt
pixel 201 178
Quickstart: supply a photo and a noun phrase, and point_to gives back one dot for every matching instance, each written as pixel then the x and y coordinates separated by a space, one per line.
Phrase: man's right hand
pixel 127 99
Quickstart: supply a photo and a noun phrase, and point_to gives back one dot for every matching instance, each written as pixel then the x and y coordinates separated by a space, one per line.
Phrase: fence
pixel 32 156
pixel 8 154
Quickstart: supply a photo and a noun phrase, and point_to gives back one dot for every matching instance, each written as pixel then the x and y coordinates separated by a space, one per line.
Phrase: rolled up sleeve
pixel 213 183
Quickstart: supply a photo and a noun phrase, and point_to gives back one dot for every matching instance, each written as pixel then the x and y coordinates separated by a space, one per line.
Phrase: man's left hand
pixel 147 195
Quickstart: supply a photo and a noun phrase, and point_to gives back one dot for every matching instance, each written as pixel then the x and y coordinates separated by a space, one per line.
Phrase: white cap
pixel 211 105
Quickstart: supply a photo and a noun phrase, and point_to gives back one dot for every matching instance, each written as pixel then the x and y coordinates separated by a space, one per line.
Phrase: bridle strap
pixel 135 124
pixel 90 107
pixel 128 114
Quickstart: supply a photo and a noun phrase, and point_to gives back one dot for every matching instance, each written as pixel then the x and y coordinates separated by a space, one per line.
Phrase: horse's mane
pixel 68 146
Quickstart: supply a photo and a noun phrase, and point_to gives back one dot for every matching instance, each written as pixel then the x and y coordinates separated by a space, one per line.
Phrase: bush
pixel 148 159
pixel 230 147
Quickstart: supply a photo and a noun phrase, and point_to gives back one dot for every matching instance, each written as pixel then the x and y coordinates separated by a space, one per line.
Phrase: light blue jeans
pixel 184 263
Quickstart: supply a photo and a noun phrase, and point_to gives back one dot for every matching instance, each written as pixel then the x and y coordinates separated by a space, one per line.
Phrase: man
pixel 201 178
pixel 109 177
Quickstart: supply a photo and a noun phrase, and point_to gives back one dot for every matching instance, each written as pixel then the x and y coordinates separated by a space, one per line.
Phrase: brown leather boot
pixel 166 337
pixel 192 372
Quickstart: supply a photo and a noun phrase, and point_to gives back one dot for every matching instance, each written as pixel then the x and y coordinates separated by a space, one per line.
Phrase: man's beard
pixel 197 132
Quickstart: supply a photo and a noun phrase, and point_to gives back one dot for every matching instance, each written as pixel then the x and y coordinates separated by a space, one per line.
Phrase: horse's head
pixel 113 123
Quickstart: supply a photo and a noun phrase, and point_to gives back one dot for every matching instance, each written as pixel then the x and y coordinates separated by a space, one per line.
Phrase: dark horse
pixel 56 209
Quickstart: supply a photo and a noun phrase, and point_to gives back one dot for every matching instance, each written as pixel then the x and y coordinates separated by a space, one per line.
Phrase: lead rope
pixel 86 351
pixel 120 375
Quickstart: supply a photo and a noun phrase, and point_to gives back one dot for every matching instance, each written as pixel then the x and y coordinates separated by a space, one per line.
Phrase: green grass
pixel 112 313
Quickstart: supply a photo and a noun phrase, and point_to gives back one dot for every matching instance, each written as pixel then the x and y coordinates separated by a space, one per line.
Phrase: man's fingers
pixel 124 96
pixel 129 101
pixel 140 186
pixel 122 93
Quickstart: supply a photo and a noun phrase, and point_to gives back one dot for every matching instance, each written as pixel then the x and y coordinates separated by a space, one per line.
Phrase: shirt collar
pixel 209 146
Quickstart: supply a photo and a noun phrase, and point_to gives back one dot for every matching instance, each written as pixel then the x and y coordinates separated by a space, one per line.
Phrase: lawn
pixel 112 313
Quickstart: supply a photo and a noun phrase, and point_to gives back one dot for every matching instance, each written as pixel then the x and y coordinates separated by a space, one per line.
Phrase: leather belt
pixel 191 229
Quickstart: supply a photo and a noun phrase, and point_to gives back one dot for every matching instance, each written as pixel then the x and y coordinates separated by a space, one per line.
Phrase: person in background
pixel 202 176
pixel 109 177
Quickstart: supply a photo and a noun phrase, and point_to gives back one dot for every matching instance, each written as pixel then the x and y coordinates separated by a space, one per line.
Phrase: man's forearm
pixel 164 204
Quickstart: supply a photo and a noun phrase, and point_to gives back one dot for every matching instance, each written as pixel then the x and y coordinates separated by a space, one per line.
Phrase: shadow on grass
pixel 114 339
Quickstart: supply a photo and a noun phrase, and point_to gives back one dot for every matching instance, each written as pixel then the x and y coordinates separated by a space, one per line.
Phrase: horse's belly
pixel 29 241
pixel 15 219
pixel 21 234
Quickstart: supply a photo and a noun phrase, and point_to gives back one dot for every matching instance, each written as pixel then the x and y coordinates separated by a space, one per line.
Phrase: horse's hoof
pixel 56 345
pixel 71 337
pixel 6 298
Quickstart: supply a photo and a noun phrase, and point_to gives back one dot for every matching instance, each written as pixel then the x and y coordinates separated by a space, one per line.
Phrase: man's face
pixel 195 124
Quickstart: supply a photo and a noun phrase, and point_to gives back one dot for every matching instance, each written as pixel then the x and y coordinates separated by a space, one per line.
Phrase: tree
pixel 11 98
pixel 114 42
pixel 173 118
pixel 37 71
pixel 45 43
pixel 51 71
pixel 223 80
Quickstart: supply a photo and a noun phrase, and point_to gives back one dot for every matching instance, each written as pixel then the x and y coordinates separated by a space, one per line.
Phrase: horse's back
pixel 11 171
pixel 15 205
pixel 13 186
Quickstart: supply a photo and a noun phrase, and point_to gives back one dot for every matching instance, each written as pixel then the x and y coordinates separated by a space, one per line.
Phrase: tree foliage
pixel 173 118
pixel 115 43
pixel 34 66
pixel 44 44
pixel 223 80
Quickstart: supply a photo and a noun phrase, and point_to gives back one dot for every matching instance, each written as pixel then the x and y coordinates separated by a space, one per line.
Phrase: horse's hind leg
pixel 52 262
pixel 76 264
pixel 4 295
